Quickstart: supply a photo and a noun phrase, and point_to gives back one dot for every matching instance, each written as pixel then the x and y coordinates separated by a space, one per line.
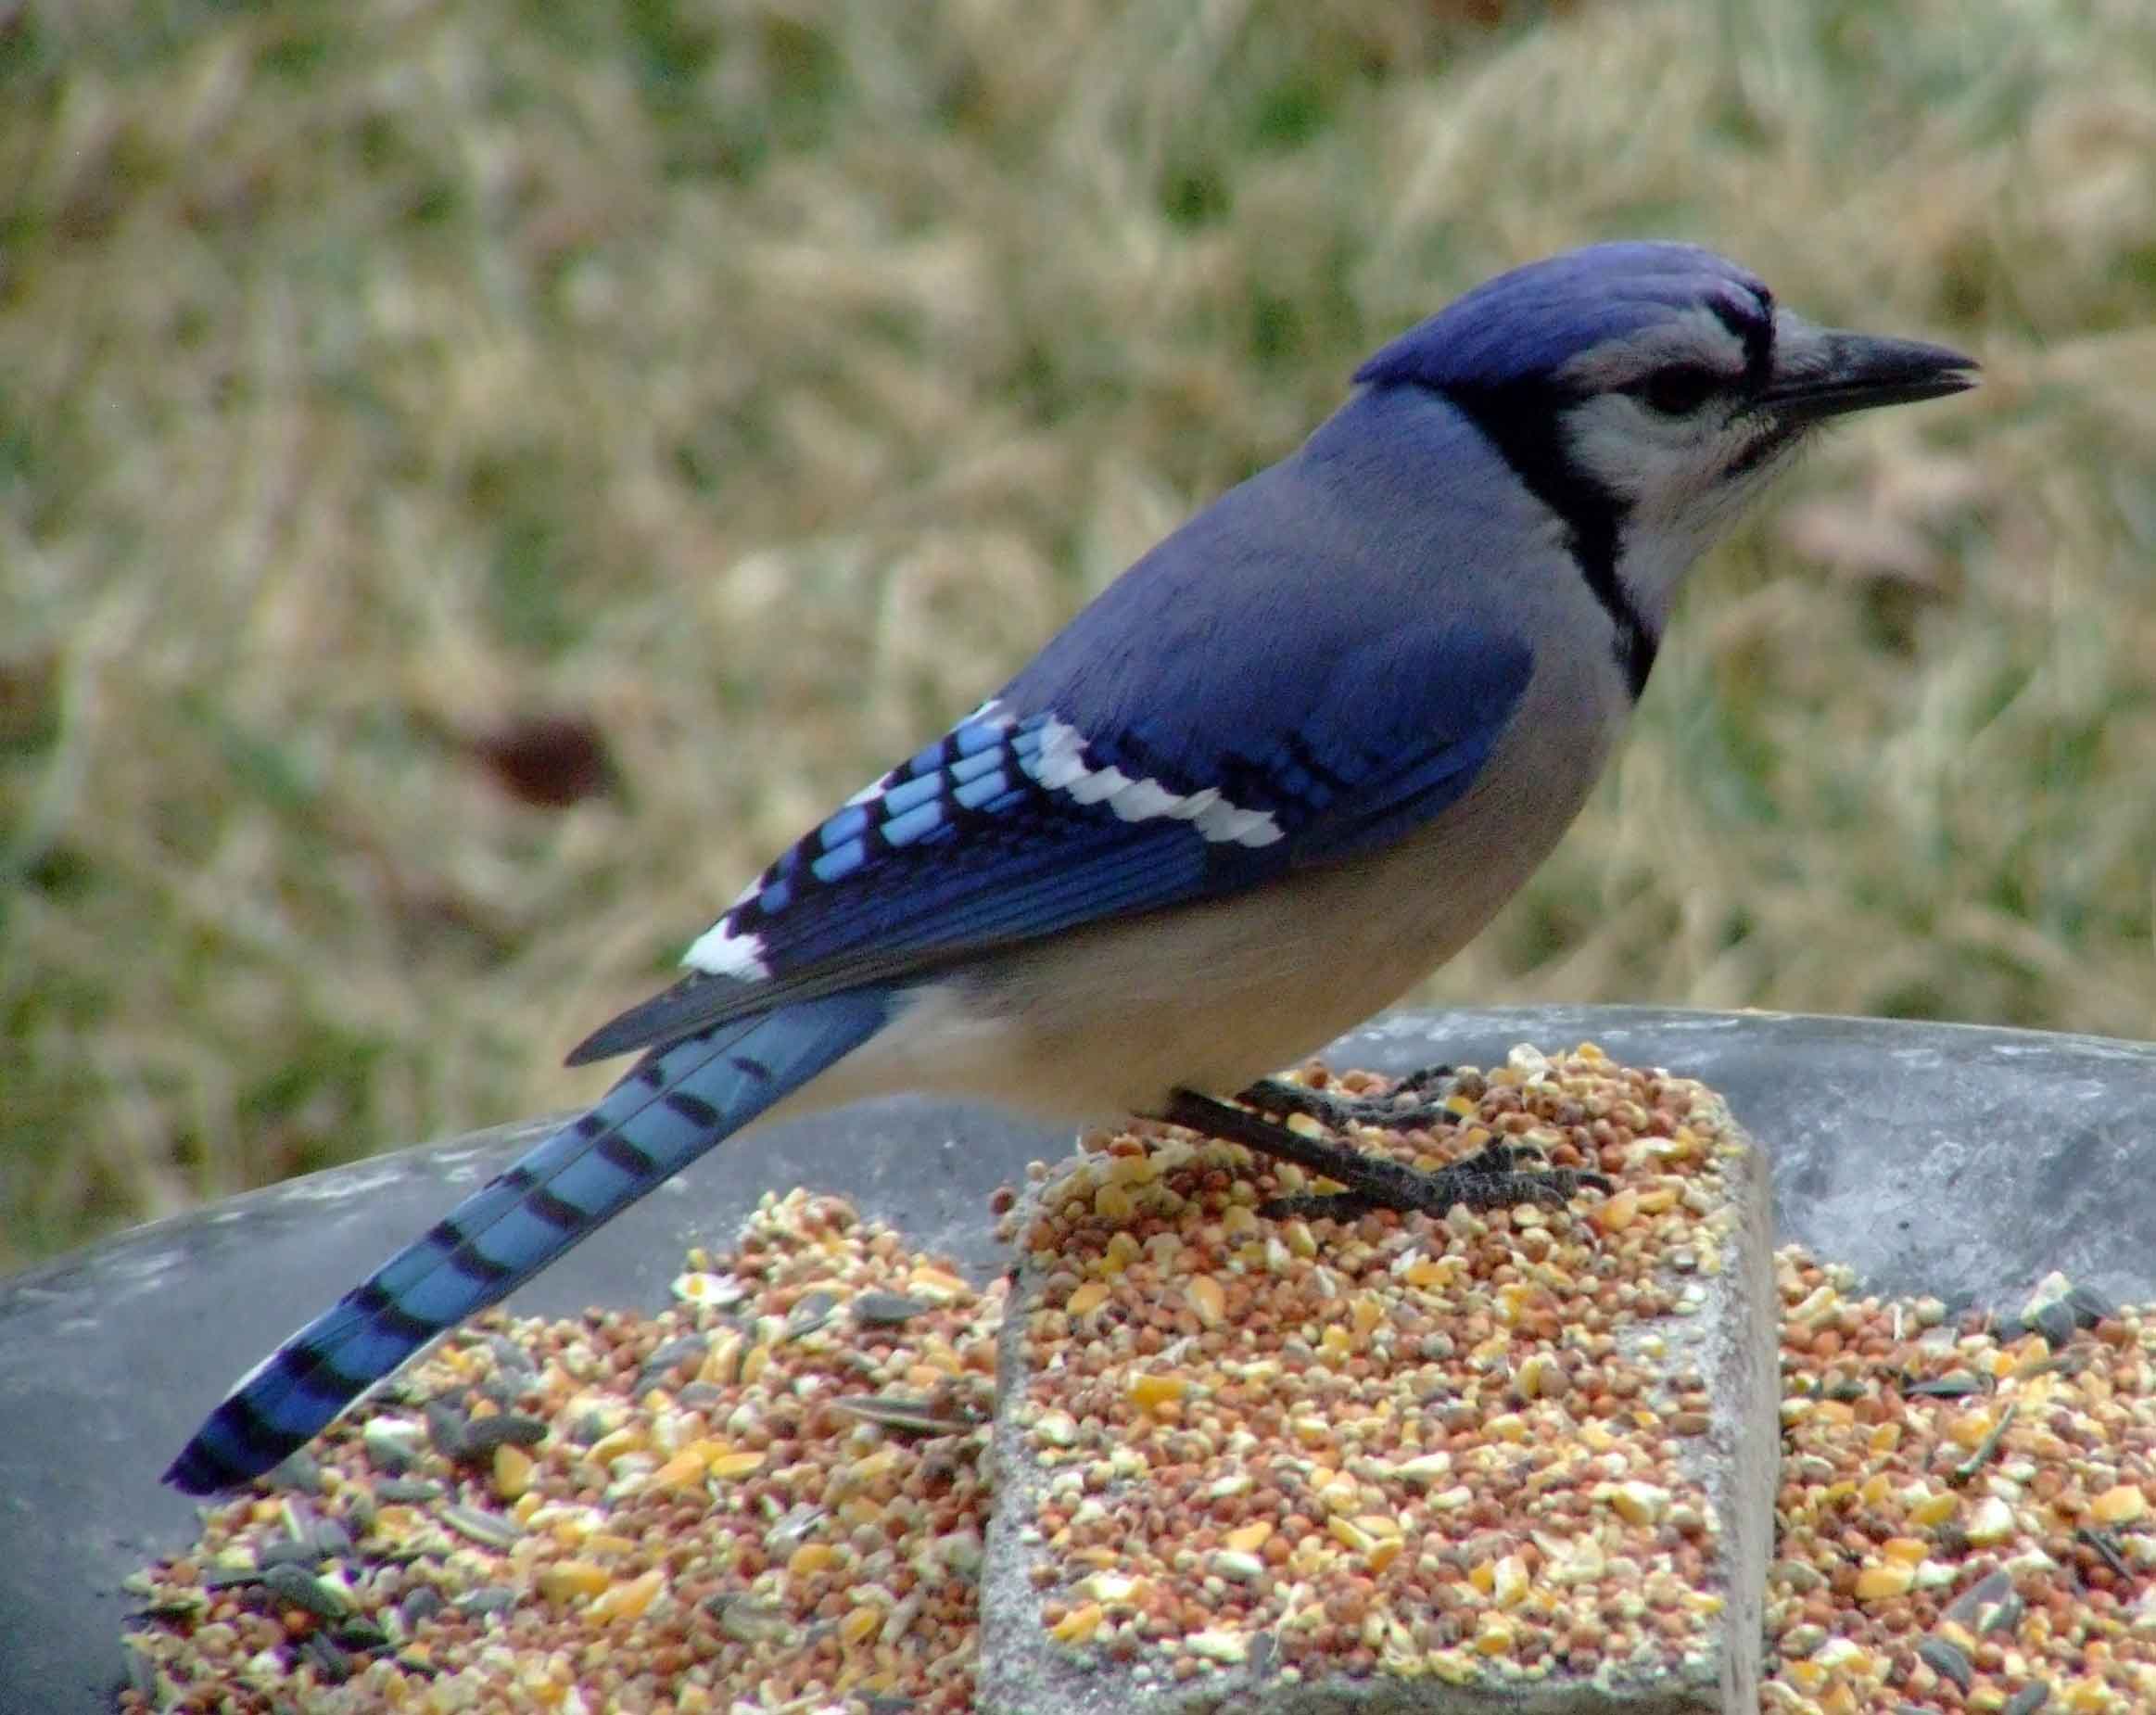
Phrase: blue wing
pixel 1063 802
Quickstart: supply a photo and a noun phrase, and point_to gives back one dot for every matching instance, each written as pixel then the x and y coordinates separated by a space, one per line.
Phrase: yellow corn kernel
pixel 1884 1581
pixel 1087 1297
pixel 872 1468
pixel 628 1601
pixel 1079 1624
pixel 939 1286
pixel 1496 1635
pixel 686 1468
pixel 629 1438
pixel 513 1469
pixel 1141 1169
pixel 1639 1502
pixel 1970 1427
pixel 562 1579
pixel 1618 1211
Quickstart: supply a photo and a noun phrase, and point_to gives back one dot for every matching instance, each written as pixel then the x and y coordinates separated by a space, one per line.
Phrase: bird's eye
pixel 1677 390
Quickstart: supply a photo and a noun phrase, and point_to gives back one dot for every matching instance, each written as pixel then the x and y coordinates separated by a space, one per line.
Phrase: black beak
pixel 1824 372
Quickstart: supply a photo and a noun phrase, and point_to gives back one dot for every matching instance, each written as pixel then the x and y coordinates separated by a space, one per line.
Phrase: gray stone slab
pixel 1932 1158
pixel 1728 1335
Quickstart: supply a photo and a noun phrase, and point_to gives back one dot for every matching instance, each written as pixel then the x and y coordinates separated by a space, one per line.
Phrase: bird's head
pixel 1646 391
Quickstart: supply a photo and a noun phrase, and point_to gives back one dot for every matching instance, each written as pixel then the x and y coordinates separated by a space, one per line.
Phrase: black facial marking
pixel 1522 422
pixel 1753 325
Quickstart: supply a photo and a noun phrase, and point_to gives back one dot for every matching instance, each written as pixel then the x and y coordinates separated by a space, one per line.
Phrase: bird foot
pixel 1407 1106
pixel 1492 1178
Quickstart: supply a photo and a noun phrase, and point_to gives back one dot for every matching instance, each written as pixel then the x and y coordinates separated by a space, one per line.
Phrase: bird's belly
pixel 1110 1020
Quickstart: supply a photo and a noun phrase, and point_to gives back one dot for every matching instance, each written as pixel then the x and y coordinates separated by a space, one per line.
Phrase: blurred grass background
pixel 744 387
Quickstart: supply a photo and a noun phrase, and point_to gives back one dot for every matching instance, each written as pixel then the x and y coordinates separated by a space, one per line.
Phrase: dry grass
pixel 764 381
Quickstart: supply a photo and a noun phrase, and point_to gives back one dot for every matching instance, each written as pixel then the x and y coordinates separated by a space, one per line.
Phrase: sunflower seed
pixel 808 1314
pixel 489 1530
pixel 1949 1660
pixel 505 1429
pixel 887 1309
pixel 905 1413
pixel 290 1584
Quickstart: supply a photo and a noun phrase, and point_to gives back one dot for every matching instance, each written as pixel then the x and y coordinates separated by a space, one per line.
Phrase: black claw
pixel 1490 1179
pixel 1397 1110
pixel 1473 1183
pixel 1499 1157
pixel 1424 1079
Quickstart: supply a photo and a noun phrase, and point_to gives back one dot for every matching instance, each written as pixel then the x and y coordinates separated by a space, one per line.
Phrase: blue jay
pixel 1287 763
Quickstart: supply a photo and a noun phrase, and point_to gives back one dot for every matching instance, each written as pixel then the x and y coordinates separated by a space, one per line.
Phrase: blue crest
pixel 1522 326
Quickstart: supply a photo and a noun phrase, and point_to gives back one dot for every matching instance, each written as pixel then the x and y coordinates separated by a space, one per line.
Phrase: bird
pixel 1278 770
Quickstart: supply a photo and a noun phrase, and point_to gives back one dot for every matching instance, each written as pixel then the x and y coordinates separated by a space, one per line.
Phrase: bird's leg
pixel 1415 1103
pixel 1491 1179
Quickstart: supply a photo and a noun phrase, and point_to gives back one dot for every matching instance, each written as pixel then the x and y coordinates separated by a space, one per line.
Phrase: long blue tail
pixel 673 1107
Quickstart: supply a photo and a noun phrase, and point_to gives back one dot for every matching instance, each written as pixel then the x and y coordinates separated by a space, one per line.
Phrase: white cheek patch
pixel 1062 765
pixel 1662 468
pixel 1634 453
pixel 1673 479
